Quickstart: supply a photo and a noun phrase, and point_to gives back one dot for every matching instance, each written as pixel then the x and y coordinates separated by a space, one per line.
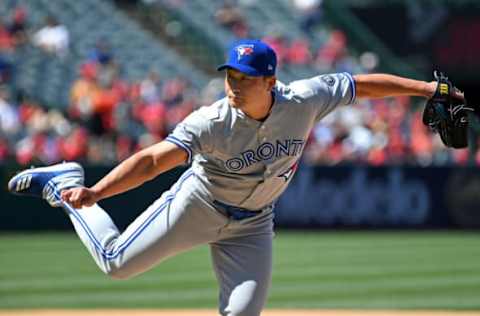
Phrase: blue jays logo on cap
pixel 244 50
pixel 251 57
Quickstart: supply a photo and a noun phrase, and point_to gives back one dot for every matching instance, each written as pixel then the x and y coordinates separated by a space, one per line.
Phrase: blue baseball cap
pixel 251 57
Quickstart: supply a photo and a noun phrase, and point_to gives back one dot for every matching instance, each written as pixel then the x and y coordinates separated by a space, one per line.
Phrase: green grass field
pixel 394 270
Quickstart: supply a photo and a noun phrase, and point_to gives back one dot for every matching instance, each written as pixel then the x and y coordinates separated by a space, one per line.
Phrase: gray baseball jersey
pixel 247 163
pixel 240 166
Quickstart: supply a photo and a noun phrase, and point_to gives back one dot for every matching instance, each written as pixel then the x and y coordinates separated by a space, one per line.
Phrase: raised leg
pixel 176 222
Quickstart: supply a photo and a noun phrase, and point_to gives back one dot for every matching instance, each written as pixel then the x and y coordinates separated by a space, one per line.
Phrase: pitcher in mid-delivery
pixel 243 151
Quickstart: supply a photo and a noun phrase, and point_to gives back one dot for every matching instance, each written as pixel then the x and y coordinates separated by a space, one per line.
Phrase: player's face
pixel 243 90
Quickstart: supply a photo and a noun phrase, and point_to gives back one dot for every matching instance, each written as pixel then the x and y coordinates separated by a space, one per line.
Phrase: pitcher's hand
pixel 79 196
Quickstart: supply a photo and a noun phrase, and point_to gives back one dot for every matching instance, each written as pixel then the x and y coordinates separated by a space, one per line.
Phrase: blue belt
pixel 234 212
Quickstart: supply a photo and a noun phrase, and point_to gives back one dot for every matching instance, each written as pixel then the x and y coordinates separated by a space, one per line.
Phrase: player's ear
pixel 271 80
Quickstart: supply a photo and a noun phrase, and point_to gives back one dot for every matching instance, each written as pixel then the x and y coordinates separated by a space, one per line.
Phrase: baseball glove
pixel 447 114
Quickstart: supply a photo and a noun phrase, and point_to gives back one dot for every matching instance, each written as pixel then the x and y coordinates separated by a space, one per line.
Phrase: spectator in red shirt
pixel 7 43
pixel 299 52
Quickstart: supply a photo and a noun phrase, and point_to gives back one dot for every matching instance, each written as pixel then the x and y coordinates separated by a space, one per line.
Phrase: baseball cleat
pixel 47 182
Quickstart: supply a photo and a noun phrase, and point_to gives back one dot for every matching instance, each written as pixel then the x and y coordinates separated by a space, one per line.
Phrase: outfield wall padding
pixel 318 197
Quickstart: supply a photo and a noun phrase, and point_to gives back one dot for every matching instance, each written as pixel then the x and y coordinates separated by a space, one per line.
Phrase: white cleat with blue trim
pixel 47 182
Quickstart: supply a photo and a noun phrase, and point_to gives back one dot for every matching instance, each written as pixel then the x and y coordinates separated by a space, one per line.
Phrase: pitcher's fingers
pixel 76 196
pixel 77 202
pixel 65 195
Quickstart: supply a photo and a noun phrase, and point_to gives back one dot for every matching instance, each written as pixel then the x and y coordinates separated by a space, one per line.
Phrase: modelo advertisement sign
pixel 381 197
pixel 318 197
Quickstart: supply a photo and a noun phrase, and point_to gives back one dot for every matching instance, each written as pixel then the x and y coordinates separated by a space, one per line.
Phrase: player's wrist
pixel 96 194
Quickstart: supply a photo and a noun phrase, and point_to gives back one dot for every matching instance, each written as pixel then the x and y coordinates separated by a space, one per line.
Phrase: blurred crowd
pixel 117 117
pixel 329 52
pixel 109 118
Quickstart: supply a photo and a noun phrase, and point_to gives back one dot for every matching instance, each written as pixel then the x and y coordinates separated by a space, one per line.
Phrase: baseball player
pixel 243 151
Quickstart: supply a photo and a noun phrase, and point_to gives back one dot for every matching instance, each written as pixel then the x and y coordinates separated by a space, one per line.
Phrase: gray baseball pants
pixel 179 220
